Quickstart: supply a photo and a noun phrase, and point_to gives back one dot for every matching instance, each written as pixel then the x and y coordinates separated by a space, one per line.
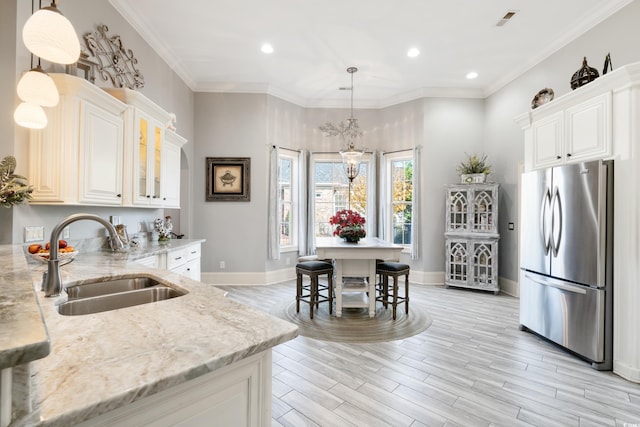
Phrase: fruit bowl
pixel 63 257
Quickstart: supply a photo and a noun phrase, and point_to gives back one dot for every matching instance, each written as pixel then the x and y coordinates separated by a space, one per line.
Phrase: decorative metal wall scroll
pixel 115 63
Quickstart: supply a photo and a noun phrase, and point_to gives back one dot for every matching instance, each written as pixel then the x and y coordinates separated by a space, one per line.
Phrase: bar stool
pixel 311 293
pixel 393 269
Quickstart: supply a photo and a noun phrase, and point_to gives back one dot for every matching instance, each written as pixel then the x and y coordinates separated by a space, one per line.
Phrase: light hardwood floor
pixel 472 367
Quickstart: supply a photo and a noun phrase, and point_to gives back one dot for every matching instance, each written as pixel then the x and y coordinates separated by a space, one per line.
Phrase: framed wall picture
pixel 228 179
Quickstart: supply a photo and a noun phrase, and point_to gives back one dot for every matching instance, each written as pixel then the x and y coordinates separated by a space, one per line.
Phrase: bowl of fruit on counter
pixel 66 253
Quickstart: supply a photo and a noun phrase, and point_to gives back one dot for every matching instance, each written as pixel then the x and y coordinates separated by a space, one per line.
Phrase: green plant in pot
pixel 475 169
pixel 14 188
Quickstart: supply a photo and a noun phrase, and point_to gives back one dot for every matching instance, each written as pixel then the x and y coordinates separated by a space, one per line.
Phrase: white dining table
pixel 355 269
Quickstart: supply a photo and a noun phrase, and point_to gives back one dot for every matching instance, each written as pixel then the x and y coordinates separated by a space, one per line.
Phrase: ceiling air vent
pixel 507 16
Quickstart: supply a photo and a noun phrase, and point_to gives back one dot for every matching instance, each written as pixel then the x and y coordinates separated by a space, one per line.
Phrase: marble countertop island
pixel 103 361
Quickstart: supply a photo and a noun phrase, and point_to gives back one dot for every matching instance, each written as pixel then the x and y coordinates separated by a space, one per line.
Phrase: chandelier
pixel 351 135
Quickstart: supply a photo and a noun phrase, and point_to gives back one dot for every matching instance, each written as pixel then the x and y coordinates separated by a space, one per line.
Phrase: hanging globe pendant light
pixel 36 87
pixel 30 116
pixel 49 35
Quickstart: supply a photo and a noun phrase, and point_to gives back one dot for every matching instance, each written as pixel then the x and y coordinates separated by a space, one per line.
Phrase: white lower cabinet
pixel 184 261
pixel 235 395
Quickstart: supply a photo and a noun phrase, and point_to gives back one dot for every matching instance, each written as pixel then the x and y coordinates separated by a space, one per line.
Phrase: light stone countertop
pixel 23 336
pixel 102 361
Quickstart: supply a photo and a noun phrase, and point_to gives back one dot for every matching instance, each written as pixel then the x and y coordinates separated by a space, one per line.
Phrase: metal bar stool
pixel 388 269
pixel 311 293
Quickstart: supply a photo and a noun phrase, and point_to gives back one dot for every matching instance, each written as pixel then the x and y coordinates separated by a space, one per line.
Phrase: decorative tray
pixel 542 97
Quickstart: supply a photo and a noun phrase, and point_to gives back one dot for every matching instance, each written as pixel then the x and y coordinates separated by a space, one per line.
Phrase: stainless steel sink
pixel 111 286
pixel 99 296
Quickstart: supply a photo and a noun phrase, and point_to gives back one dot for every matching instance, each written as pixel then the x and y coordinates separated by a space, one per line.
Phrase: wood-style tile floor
pixel 472 367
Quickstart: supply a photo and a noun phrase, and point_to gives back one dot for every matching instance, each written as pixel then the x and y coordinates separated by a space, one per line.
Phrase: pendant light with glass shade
pixel 351 135
pixel 36 87
pixel 30 116
pixel 50 36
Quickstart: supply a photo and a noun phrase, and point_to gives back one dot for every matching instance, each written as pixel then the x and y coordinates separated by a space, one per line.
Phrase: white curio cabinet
pixel 471 236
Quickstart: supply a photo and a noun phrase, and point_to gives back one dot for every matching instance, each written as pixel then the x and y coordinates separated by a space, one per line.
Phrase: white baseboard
pixel 626 371
pixel 283 275
pixel 509 287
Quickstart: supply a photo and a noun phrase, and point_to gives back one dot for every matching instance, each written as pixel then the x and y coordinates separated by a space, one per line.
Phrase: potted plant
pixel 475 169
pixel 14 188
pixel 349 225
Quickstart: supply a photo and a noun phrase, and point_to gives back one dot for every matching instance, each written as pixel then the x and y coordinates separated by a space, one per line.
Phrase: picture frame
pixel 228 179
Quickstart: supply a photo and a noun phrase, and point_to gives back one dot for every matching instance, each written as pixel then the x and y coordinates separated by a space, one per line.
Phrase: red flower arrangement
pixel 349 225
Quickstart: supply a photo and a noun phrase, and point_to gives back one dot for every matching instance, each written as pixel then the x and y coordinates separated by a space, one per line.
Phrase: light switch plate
pixel 33 234
pixel 65 233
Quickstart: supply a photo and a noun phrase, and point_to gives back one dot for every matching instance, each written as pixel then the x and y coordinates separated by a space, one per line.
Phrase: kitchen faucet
pixel 52 282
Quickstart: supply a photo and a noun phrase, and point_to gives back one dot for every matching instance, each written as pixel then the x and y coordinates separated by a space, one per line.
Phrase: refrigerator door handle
pixel 547 281
pixel 556 222
pixel 545 208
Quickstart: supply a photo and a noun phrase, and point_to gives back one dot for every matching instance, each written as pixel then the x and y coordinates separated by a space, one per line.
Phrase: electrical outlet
pixel 288 261
pixel 510 226
pixel 65 233
pixel 33 234
pixel 222 265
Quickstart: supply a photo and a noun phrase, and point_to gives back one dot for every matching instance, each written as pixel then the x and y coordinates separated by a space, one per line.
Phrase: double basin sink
pixel 110 294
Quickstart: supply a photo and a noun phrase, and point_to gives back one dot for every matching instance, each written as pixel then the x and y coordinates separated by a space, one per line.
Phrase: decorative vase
pixel 164 238
pixel 351 239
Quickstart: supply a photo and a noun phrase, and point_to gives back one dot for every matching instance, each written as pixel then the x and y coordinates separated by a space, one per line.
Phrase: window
pixel 287 200
pixel 400 193
pixel 332 192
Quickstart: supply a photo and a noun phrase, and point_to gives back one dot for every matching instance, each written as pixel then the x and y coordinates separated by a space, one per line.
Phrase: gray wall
pixel 236 232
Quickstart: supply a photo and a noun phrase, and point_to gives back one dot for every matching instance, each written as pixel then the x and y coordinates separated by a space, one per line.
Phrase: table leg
pixel 338 283
pixel 372 288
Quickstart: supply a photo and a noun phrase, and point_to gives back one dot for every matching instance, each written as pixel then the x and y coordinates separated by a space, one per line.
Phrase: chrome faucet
pixel 52 282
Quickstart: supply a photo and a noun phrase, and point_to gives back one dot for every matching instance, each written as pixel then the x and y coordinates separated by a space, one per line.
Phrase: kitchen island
pixel 120 364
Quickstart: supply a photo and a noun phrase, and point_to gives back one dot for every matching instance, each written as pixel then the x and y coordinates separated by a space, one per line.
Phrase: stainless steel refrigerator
pixel 566 258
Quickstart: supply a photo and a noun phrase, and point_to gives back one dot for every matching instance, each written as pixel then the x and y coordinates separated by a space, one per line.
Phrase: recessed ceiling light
pixel 472 75
pixel 266 48
pixel 413 52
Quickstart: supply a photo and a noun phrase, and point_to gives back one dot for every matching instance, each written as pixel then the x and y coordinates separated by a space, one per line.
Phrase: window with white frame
pixel 399 182
pixel 331 190
pixel 288 201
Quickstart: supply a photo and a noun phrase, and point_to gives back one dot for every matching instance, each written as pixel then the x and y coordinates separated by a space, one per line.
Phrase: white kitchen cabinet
pixel 471 236
pixel 184 261
pixel 569 134
pixel 548 140
pixel 192 266
pixel 170 169
pixel 78 157
pixel 154 169
pixel 235 395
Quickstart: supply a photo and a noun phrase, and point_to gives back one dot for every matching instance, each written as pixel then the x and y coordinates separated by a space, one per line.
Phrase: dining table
pixel 355 269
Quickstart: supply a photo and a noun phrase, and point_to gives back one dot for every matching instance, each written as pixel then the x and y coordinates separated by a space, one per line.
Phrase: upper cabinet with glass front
pixel 145 130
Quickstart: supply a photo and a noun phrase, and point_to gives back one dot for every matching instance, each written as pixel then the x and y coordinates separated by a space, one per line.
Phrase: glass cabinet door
pixel 157 156
pixel 143 171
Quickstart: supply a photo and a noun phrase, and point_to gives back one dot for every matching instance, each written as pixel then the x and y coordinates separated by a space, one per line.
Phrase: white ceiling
pixel 214 45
